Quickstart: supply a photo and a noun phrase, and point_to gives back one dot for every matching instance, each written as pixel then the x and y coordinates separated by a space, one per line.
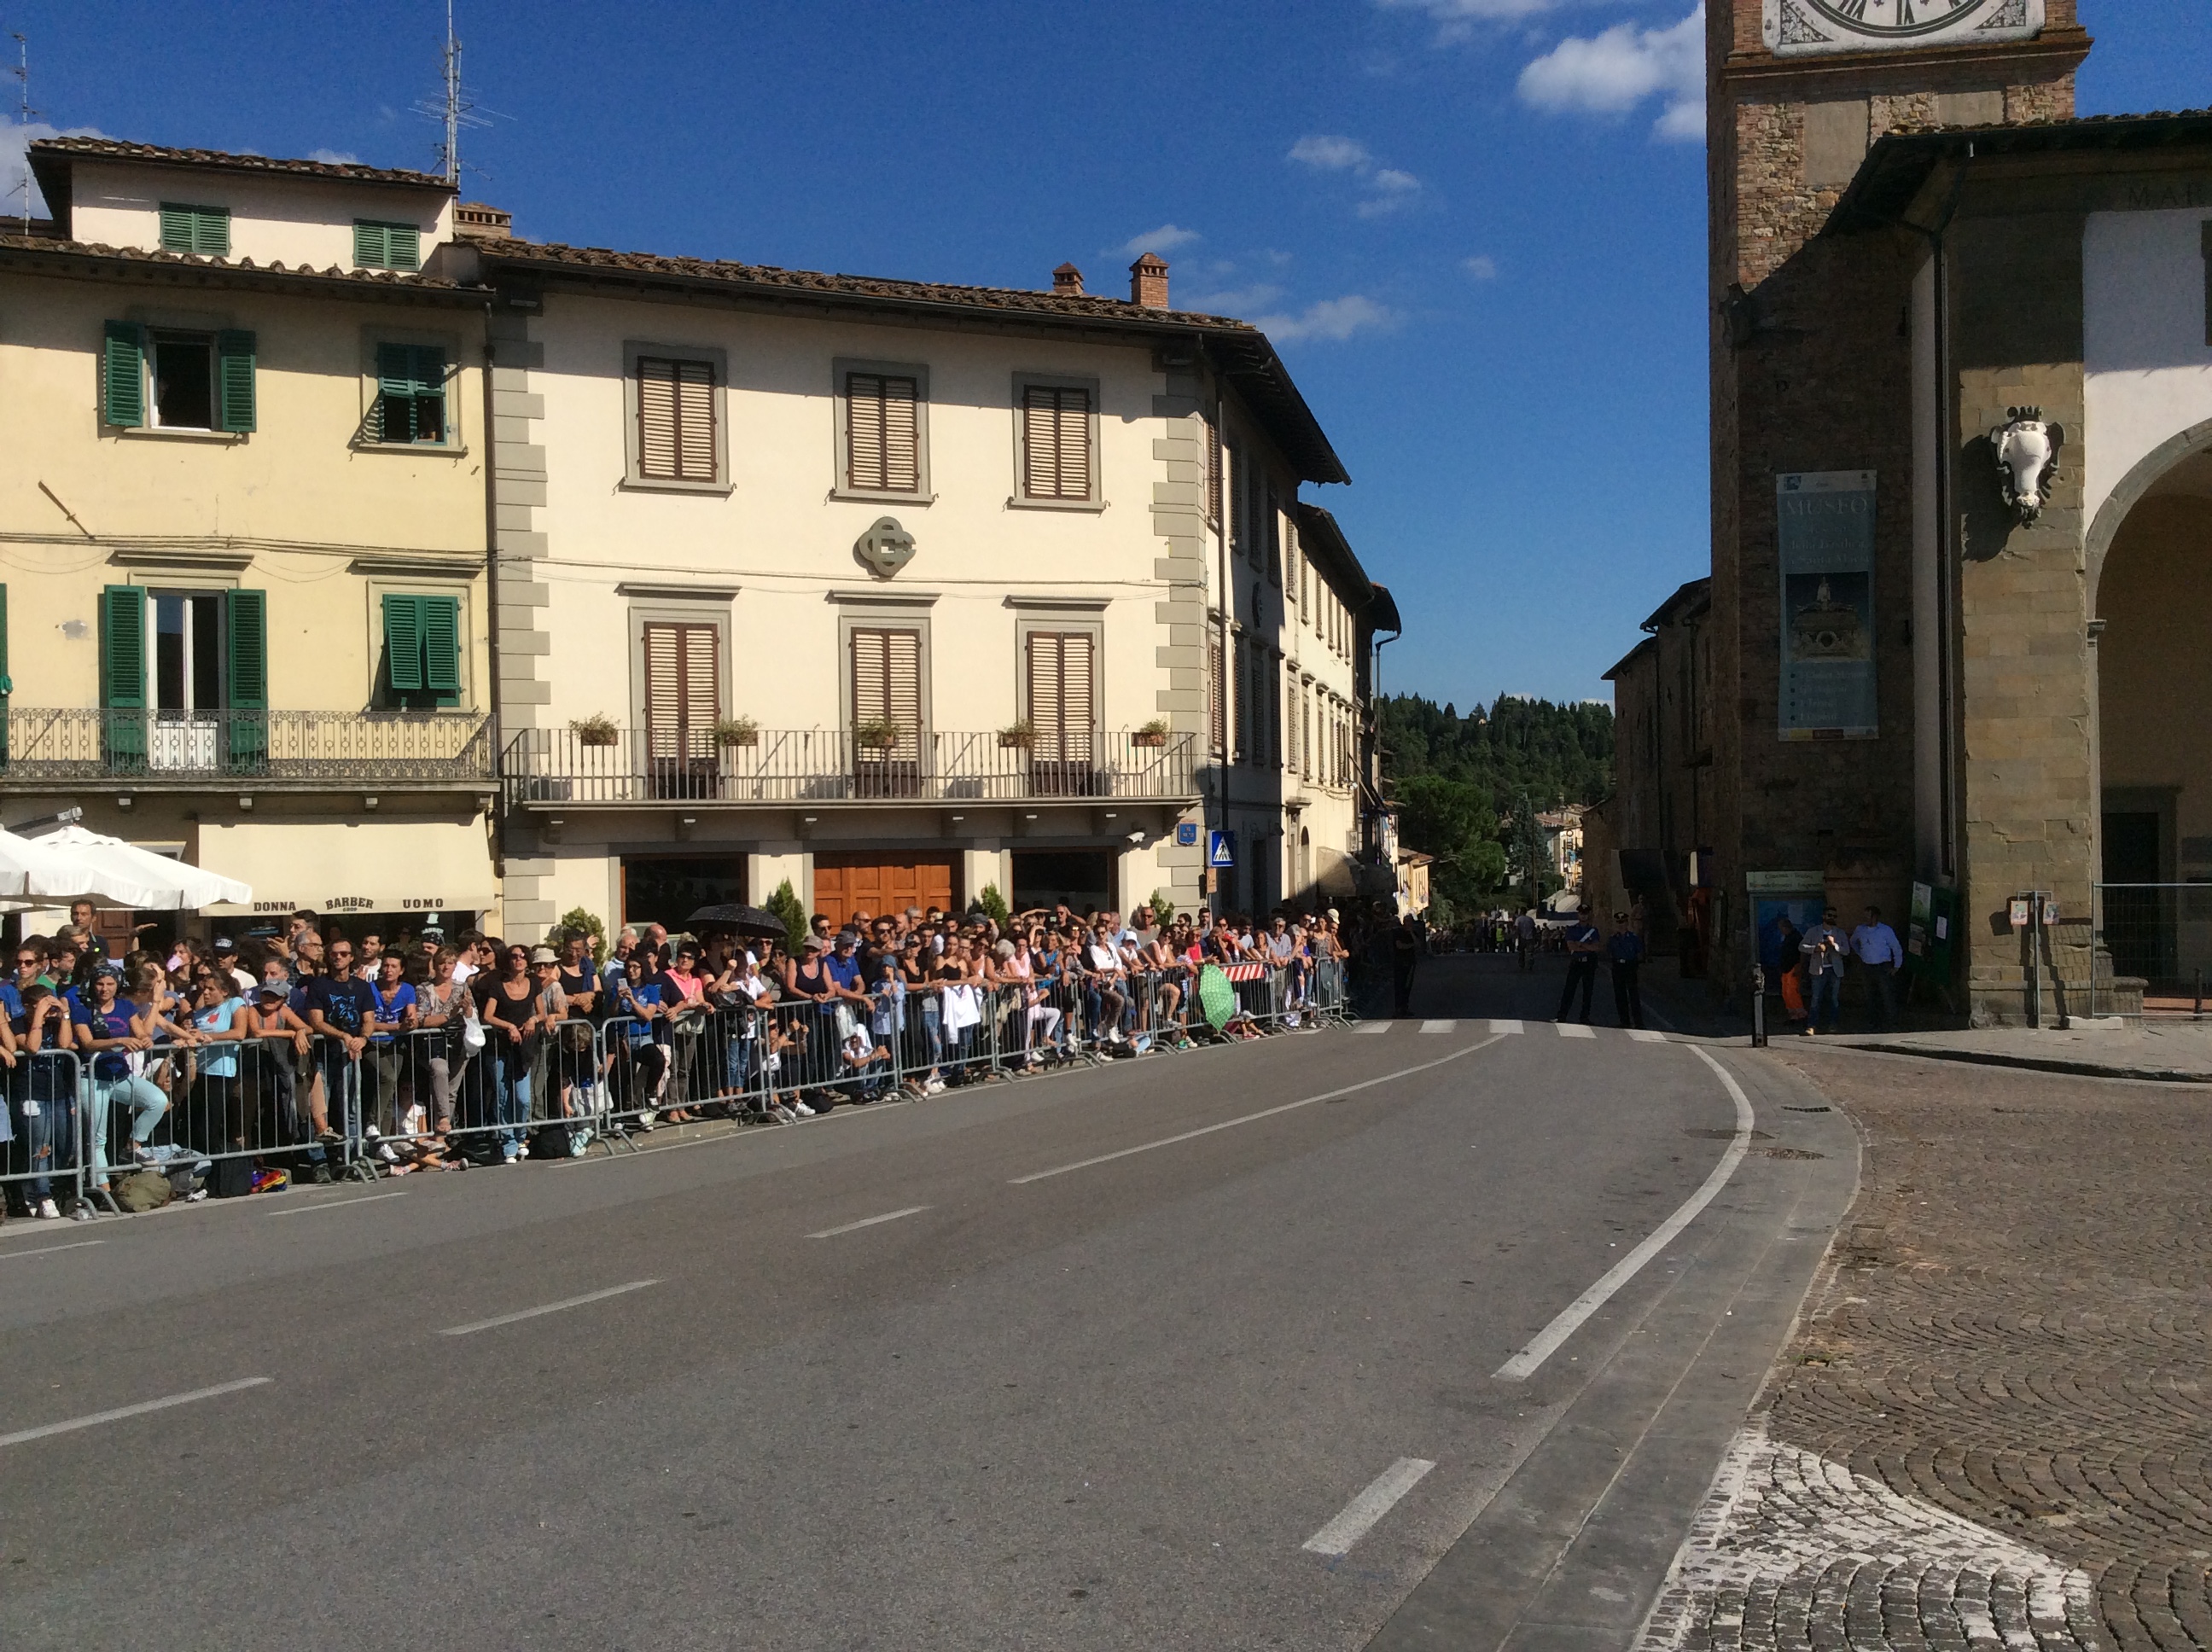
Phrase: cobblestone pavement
pixel 1994 1427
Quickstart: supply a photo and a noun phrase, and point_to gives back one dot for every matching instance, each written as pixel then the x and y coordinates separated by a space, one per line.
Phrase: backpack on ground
pixel 141 1190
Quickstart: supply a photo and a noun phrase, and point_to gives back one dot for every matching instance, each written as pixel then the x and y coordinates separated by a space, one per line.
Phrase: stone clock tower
pixel 1813 387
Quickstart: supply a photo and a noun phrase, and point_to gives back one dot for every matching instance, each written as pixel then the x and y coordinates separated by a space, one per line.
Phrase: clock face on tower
pixel 1797 27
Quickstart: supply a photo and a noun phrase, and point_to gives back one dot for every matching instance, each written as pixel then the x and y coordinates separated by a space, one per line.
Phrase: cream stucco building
pixel 899 592
pixel 242 525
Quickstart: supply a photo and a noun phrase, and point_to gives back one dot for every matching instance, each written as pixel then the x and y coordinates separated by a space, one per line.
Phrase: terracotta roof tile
pixel 239 266
pixel 1023 300
pixel 111 149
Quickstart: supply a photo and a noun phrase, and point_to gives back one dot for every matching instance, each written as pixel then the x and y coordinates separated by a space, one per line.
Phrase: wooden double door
pixel 877 883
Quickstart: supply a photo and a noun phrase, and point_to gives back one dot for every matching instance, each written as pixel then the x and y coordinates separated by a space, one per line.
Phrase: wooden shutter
pixel 410 401
pixel 887 686
pixel 682 686
pixel 233 380
pixel 245 624
pixel 1062 712
pixel 1055 443
pixel 883 433
pixel 368 245
pixel 196 229
pixel 1216 694
pixel 122 646
pixel 675 420
pixel 441 647
pixel 402 643
pixel 1213 439
pixel 176 228
pixel 123 373
pixel 403 245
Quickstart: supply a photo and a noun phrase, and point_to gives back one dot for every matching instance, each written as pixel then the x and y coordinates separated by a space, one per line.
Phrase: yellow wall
pixel 324 526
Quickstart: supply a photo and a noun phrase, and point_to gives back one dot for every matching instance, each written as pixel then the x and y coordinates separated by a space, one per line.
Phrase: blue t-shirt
pixel 221 1061
pixel 643 993
pixel 346 1004
pixel 114 1023
pixel 846 972
pixel 11 1005
pixel 390 1007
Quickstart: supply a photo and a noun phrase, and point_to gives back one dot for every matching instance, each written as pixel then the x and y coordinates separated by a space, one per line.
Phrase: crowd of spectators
pixel 305 1051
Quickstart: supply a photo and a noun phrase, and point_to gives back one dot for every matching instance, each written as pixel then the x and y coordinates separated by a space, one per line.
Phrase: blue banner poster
pixel 1824 530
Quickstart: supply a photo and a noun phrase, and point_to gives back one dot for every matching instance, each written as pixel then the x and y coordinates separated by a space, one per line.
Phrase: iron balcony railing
pixel 803 766
pixel 39 744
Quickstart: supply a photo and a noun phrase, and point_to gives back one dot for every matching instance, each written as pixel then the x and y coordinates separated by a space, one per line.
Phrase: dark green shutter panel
pixel 402 643
pixel 123 372
pixel 233 354
pixel 176 228
pixel 429 374
pixel 395 385
pixel 403 246
pixel 441 645
pixel 7 684
pixel 211 232
pixel 246 622
pixel 367 245
pixel 248 625
pixel 123 672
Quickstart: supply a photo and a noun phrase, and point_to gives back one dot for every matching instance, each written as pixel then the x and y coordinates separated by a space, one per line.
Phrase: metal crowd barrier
pixel 419 1099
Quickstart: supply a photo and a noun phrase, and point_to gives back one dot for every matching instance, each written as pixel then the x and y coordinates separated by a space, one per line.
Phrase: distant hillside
pixel 1558 754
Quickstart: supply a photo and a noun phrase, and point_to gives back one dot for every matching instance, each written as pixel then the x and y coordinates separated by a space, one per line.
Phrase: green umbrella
pixel 1216 996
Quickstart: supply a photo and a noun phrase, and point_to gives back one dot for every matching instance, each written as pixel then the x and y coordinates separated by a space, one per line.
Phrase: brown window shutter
pixel 675 420
pixel 1213 439
pixel 883 433
pixel 1217 692
pixel 1061 712
pixel 887 685
pixel 682 686
pixel 1056 443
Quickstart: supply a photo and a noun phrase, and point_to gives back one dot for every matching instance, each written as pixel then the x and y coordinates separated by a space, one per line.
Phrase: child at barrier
pixel 43 1088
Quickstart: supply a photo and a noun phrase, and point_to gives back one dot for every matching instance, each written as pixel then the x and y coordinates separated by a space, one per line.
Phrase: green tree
pixel 577 921
pixel 786 905
pixel 993 905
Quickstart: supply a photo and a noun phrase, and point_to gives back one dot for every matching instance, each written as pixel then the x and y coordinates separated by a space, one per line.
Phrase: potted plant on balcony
pixel 1019 733
pixel 737 731
pixel 876 734
pixel 1154 733
pixel 596 730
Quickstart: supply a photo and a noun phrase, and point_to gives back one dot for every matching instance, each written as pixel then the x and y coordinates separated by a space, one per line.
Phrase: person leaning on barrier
pixel 341 1011
pixel 111 1029
pixel 443 1007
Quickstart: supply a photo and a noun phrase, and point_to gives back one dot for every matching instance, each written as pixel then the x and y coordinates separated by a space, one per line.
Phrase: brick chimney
pixel 476 221
pixel 1148 282
pixel 1068 279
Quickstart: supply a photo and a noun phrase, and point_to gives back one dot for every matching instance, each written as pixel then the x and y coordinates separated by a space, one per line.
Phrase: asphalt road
pixel 1179 1393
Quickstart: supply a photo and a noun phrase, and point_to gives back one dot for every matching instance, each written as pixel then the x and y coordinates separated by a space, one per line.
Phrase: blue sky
pixel 1475 228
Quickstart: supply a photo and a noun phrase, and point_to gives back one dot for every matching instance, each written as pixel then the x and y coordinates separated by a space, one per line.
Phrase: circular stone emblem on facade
pixel 885 547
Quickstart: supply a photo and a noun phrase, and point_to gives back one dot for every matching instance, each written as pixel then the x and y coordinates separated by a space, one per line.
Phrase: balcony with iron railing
pixel 258 750
pixel 603 766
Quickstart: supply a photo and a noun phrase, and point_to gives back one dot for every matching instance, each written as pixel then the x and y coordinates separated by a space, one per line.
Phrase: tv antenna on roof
pixel 456 109
pixel 21 71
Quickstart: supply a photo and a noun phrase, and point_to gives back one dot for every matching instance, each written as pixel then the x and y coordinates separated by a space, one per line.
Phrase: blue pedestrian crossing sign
pixel 1221 849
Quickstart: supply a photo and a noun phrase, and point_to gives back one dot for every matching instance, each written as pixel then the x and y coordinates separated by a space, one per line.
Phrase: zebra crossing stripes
pixel 1576 1029
pixel 1439 1026
pixel 1371 1028
pixel 1645 1036
pixel 1502 1028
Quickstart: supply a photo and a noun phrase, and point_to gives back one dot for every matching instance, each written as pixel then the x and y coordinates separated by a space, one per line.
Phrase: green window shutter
pixel 176 228
pixel 402 643
pixel 123 373
pixel 211 232
pixel 123 673
pixel 430 375
pixel 441 647
pixel 395 400
pixel 369 251
pixel 247 622
pixel 403 245
pixel 233 353
pixel 7 683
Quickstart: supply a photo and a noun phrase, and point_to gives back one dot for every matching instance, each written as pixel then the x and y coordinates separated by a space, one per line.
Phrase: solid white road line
pixel 1439 1026
pixel 1524 1364
pixel 1371 1028
pixel 1360 1515
pixel 1253 1118
pixel 1576 1029
pixel 550 1308
pixel 1505 1028
pixel 868 1222
pixel 82 1244
pixel 335 1203
pixel 138 1410
pixel 1645 1036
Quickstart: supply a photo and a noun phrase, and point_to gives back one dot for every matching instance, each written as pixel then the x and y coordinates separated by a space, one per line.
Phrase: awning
pixel 72 862
pixel 371 866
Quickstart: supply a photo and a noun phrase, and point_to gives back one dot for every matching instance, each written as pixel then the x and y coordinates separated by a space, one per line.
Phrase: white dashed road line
pixel 869 1222
pixel 1253 1118
pixel 1439 1026
pixel 1503 1028
pixel 1645 1036
pixel 82 1244
pixel 1524 1364
pixel 1360 1515
pixel 1576 1029
pixel 550 1308
pixel 1370 1028
pixel 138 1410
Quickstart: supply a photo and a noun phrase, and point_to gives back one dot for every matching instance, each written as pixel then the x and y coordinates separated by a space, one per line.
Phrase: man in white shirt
pixel 1874 944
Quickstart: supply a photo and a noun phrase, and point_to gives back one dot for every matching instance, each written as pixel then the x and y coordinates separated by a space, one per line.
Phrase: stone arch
pixel 2124 498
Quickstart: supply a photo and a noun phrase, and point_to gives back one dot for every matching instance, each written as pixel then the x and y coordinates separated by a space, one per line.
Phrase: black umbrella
pixel 745 920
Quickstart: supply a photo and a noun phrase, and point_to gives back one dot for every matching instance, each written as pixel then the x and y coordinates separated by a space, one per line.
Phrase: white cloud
pixel 1328 153
pixel 1232 301
pixel 1614 72
pixel 17 184
pixel 334 157
pixel 1165 238
pixel 1458 19
pixel 1481 266
pixel 1387 189
pixel 1332 318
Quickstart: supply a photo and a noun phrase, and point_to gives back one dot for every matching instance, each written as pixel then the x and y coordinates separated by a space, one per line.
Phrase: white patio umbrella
pixel 70 862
